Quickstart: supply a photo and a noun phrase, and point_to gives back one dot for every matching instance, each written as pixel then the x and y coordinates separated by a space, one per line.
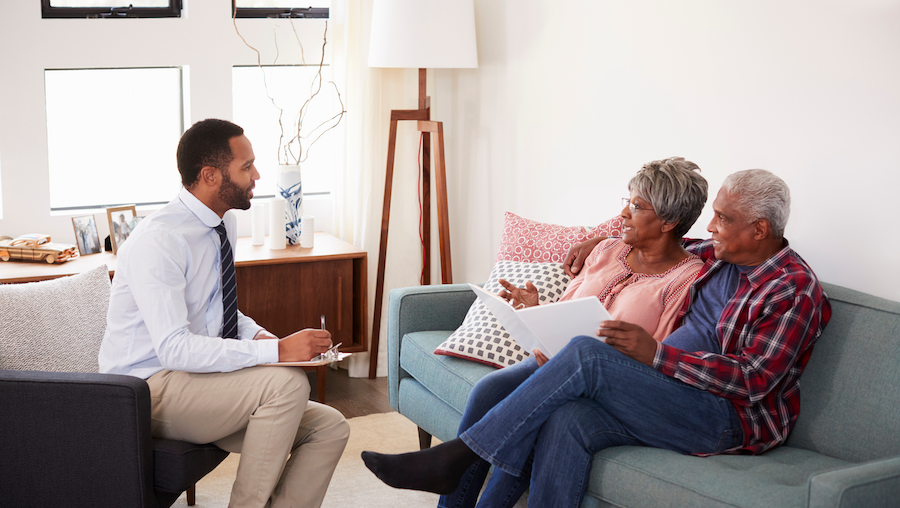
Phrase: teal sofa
pixel 843 452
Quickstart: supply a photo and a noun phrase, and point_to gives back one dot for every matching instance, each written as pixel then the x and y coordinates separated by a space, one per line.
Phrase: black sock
pixel 438 469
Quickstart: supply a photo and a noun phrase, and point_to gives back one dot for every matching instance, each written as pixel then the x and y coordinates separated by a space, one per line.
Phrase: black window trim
pixel 172 11
pixel 279 12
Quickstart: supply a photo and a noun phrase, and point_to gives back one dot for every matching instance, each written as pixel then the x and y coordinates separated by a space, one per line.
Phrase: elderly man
pixel 725 381
pixel 172 315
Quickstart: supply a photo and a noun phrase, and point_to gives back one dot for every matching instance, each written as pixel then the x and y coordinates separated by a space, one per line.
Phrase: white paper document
pixel 547 327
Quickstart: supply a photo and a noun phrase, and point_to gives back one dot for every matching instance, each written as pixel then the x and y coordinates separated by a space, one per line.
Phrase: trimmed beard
pixel 234 195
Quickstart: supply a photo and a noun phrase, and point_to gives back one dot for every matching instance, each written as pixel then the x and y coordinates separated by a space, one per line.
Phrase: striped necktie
pixel 229 286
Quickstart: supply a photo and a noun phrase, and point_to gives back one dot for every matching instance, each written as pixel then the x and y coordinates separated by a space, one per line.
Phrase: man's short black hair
pixel 206 143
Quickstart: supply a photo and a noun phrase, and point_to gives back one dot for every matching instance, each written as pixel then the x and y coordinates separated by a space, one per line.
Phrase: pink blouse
pixel 649 300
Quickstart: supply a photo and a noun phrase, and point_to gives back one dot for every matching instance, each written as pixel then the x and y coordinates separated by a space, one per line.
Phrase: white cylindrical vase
pixel 277 238
pixel 258 223
pixel 307 231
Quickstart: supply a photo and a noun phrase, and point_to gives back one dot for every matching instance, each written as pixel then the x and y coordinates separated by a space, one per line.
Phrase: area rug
pixel 352 485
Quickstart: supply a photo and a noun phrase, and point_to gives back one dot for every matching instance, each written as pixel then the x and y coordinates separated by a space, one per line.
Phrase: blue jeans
pixel 587 398
pixel 487 393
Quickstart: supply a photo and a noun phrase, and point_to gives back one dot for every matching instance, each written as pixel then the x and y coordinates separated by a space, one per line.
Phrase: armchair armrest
pixel 872 484
pixel 420 308
pixel 75 436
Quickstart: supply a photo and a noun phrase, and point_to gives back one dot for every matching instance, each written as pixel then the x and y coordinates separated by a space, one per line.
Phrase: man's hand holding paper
pixel 630 339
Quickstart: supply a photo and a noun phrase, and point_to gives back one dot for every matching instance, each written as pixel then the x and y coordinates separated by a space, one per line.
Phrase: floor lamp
pixel 419 34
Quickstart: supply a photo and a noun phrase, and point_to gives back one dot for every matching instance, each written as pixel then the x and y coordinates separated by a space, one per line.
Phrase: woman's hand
pixel 520 297
pixel 539 356
pixel 576 255
pixel 630 339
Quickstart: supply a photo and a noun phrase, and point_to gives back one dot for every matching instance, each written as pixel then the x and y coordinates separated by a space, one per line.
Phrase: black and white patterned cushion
pixel 481 338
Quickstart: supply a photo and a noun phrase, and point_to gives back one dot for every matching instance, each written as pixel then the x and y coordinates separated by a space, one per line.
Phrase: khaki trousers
pixel 289 446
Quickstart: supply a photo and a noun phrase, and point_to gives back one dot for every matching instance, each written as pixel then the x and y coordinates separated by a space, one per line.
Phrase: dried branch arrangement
pixel 295 144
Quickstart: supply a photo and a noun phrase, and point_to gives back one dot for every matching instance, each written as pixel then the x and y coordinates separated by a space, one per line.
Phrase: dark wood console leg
pixel 424 439
pixel 321 377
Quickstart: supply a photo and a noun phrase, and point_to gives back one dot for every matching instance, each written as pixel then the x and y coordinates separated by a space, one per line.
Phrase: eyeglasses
pixel 634 207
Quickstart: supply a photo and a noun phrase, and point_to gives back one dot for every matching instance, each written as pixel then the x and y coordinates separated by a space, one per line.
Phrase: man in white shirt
pixel 167 324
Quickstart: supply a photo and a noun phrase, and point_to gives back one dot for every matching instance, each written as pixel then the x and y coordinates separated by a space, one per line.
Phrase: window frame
pixel 279 12
pixel 50 12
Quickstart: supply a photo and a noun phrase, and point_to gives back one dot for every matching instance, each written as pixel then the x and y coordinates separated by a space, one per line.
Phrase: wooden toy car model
pixel 36 247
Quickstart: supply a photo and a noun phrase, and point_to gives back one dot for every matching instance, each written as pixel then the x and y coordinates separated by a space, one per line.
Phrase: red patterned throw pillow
pixel 529 241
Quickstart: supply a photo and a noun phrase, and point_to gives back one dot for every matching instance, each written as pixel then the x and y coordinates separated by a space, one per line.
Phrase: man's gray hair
pixel 759 194
pixel 674 188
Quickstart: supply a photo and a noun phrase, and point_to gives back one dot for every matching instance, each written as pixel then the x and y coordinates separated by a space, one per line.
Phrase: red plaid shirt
pixel 766 331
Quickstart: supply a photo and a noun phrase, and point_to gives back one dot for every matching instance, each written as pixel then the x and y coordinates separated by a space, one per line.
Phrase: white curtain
pixel 358 177
pixel 369 96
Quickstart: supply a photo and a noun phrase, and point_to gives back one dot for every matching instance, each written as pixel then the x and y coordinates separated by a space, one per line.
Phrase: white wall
pixel 571 98
pixel 203 40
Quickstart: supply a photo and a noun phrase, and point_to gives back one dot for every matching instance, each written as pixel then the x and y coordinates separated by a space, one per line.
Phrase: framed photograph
pixel 121 224
pixel 86 235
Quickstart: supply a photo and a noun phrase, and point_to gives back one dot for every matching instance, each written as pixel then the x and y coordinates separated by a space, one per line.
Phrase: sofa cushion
pixel 481 338
pixel 450 379
pixel 177 465
pixel 54 325
pixel 636 476
pixel 430 414
pixel 850 390
pixel 530 241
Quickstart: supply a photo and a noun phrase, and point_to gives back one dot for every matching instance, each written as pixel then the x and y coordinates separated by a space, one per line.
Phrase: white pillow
pixel 481 338
pixel 55 325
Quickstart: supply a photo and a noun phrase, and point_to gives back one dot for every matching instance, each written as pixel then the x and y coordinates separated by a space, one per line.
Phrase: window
pixel 288 87
pixel 110 8
pixel 280 8
pixel 112 135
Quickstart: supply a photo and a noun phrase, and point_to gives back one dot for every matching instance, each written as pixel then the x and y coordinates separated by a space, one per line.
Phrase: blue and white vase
pixel 291 189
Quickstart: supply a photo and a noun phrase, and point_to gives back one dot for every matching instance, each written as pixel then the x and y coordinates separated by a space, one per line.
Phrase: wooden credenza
pixel 283 290
pixel 290 289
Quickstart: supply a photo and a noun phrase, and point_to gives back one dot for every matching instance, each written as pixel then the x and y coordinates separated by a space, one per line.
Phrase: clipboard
pixel 547 327
pixel 340 357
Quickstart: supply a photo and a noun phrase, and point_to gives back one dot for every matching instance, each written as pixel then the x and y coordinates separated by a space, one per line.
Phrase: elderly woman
pixel 642 278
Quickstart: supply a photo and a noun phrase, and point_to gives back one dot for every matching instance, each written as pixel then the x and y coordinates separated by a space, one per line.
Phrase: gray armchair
pixel 71 436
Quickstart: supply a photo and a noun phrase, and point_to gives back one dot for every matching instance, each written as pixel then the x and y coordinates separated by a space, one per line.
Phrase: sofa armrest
pixel 872 484
pixel 421 308
pixel 71 437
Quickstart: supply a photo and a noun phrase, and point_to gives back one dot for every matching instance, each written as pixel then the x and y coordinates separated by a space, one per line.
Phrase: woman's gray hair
pixel 674 188
pixel 759 194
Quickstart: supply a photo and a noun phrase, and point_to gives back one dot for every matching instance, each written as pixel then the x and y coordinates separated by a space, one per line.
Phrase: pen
pixel 323 321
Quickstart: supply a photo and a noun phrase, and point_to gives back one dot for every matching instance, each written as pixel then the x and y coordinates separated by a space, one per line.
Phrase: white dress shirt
pixel 165 308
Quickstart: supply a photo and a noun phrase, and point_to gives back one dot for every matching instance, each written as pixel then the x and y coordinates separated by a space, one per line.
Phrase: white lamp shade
pixel 420 34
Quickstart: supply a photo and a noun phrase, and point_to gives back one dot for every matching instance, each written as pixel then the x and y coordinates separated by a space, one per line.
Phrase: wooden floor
pixel 356 396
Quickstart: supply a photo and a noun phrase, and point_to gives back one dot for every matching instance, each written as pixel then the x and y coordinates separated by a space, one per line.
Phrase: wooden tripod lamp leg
pixel 382 250
pixel 440 177
pixel 435 129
